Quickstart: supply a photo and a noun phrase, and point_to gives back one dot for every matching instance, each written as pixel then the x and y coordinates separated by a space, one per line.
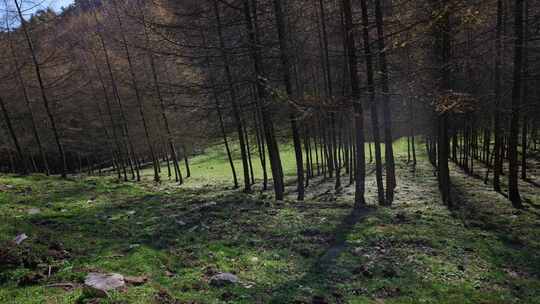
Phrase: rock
pixel 222 279
pixel 401 217
pixel 97 284
pixel 5 187
pixel 20 238
pixel 205 206
pixel 33 211
pixel 358 251
pixel 131 212
pixel 136 280
pixel 180 222
pixel 169 274
pixel 254 259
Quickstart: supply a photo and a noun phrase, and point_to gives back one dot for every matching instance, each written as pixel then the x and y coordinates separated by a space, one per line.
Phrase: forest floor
pixel 317 251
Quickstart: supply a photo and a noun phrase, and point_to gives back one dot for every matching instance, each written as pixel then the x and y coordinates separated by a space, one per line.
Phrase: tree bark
pixel 284 55
pixel 368 56
pixel 234 102
pixel 388 140
pixel 271 142
pixel 497 157
pixel 513 190
pixel 360 172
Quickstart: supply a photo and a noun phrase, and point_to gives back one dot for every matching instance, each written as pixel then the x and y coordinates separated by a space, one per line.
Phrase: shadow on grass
pixel 317 275
pixel 519 250
pixel 532 183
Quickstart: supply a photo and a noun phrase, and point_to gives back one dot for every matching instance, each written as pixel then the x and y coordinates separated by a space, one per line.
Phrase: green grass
pixel 212 167
pixel 295 252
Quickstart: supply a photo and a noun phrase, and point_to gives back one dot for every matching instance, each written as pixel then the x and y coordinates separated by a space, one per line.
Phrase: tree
pixel 513 190
pixel 357 106
pixel 44 97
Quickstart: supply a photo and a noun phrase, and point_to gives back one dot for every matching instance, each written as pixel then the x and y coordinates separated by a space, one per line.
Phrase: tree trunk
pixel 284 55
pixel 444 46
pixel 234 102
pixel 513 190
pixel 497 157
pixel 373 104
pixel 357 107
pixel 261 148
pixel 170 141
pixel 138 96
pixel 388 140
pixel 20 158
pixel 525 94
pixel 44 97
pixel 130 150
pixel 186 161
pixel 22 84
pixel 271 142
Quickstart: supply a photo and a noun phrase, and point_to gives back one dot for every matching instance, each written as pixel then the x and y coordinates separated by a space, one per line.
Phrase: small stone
pixel 132 246
pixel 20 238
pixel 131 212
pixel 208 205
pixel 401 217
pixel 357 251
pixel 180 222
pixel 5 187
pixel 223 279
pixel 98 284
pixel 169 274
pixel 33 211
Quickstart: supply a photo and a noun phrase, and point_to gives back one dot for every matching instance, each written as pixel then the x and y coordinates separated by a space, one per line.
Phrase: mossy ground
pixel 317 251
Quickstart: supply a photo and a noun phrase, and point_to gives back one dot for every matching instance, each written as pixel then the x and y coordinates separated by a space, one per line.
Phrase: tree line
pixel 118 86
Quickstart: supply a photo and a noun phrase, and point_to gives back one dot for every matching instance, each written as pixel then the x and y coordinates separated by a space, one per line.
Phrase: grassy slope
pixel 414 252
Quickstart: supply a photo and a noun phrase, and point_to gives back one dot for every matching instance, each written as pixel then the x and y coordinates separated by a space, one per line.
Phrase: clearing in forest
pixel 177 238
